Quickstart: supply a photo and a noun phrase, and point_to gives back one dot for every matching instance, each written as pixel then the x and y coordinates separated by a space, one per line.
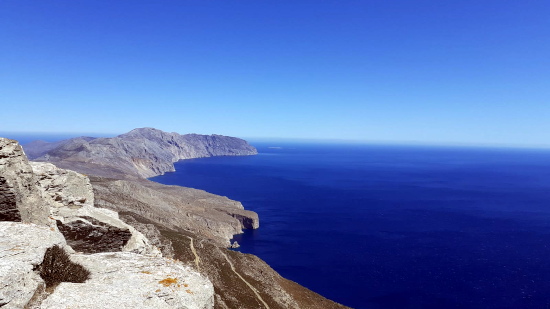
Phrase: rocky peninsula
pixel 83 228
pixel 140 153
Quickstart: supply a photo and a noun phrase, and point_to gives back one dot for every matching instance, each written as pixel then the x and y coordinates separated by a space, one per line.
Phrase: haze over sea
pixel 375 226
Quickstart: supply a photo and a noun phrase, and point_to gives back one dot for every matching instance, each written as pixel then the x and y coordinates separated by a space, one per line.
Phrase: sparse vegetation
pixel 57 268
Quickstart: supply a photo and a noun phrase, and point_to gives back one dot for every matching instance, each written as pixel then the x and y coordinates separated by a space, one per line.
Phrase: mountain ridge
pixel 139 153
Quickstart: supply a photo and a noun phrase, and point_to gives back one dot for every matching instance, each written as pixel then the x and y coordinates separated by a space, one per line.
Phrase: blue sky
pixel 400 71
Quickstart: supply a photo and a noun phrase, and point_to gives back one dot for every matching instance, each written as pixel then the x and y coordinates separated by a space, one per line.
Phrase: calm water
pixel 394 227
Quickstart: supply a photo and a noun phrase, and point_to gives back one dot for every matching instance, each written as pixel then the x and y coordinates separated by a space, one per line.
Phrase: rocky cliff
pixel 20 197
pixel 144 152
pixel 207 215
pixel 47 214
pixel 118 167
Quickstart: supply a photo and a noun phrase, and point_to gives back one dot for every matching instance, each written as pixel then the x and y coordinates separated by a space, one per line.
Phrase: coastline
pixel 192 226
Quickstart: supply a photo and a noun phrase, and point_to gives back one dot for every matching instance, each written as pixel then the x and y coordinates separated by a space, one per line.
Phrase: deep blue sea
pixel 394 226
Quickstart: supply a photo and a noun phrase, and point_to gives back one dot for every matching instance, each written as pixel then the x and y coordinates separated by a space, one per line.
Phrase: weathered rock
pixel 8 205
pixel 126 280
pixel 22 248
pixel 142 153
pixel 66 188
pixel 32 255
pixel 91 236
pixel 121 280
pixel 87 228
pixel 21 199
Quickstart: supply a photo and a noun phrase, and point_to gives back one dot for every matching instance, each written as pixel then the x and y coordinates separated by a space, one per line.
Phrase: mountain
pixel 39 148
pixel 140 153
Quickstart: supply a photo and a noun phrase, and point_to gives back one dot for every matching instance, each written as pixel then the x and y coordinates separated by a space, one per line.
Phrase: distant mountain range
pixel 141 153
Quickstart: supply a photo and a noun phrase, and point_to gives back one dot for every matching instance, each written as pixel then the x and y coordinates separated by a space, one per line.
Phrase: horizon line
pixel 64 135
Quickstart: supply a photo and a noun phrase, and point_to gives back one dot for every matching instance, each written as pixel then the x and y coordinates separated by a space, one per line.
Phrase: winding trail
pixel 197 258
pixel 249 285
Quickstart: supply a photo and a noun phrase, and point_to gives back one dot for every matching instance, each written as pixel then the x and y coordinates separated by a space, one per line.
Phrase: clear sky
pixel 464 71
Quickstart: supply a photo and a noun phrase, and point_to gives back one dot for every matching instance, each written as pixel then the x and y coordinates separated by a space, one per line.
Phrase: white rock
pixel 18 176
pixel 22 246
pixel 72 199
pixel 126 280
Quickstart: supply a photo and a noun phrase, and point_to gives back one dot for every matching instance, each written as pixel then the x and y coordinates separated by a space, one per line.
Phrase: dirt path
pixel 197 258
pixel 246 282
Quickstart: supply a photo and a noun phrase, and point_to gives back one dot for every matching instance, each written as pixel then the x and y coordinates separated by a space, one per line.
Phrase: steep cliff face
pixel 20 197
pixel 144 152
pixel 207 215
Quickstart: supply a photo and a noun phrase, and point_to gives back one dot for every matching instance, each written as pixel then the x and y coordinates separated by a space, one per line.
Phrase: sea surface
pixel 394 226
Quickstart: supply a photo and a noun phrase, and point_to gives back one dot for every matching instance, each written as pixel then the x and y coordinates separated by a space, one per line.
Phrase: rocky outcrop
pixel 91 236
pixel 153 234
pixel 22 248
pixel 87 228
pixel 39 268
pixel 21 198
pixel 121 280
pixel 129 280
pixel 8 204
pixel 144 152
